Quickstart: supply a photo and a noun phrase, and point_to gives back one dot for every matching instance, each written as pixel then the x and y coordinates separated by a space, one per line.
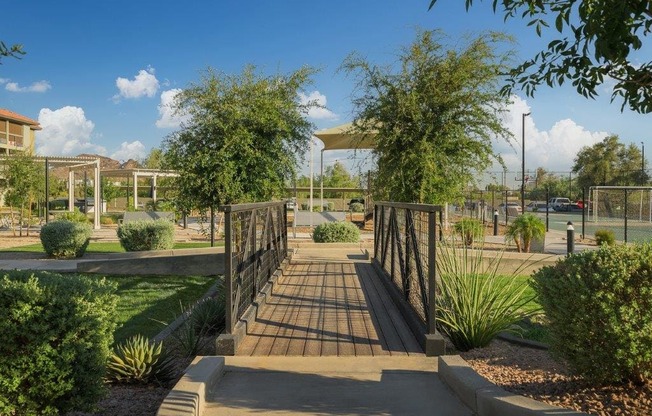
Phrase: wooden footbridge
pixel 330 300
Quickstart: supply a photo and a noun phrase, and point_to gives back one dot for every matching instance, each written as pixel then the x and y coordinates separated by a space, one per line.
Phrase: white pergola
pixel 136 173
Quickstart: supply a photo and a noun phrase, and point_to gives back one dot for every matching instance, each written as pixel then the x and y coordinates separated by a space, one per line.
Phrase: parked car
pixel 510 205
pixel 572 207
pixel 538 206
pixel 557 202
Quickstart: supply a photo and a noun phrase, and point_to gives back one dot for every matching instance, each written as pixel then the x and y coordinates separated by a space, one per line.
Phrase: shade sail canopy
pixel 342 137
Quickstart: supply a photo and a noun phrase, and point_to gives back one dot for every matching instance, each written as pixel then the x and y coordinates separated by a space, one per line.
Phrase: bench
pixel 131 216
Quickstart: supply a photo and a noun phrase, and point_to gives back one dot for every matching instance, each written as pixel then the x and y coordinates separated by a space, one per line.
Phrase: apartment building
pixel 17 132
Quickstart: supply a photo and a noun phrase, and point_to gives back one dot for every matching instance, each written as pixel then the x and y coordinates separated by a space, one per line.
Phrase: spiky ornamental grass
pixel 474 301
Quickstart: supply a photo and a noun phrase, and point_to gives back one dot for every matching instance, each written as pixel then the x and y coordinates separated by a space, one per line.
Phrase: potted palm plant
pixel 524 230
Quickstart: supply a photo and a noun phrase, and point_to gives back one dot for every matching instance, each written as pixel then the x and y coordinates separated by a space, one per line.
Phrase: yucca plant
pixel 524 229
pixel 469 229
pixel 474 302
pixel 207 317
pixel 140 361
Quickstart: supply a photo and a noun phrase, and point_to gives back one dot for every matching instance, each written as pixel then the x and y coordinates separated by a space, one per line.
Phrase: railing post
pixel 626 212
pixel 432 268
pixel 228 272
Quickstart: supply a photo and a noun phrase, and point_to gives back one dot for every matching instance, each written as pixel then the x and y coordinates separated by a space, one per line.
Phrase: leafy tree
pixel 597 39
pixel 14 51
pixel 243 139
pixel 154 160
pixel 548 183
pixel 25 184
pixel 435 116
pixel 609 162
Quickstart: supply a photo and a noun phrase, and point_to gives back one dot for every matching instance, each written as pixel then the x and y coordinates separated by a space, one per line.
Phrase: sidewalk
pixel 556 242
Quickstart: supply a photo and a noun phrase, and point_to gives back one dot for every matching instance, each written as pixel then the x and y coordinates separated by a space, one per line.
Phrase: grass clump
pixel 599 308
pixel 474 301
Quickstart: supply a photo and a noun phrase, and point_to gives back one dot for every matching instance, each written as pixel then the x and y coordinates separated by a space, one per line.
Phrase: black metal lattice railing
pixel 404 245
pixel 255 246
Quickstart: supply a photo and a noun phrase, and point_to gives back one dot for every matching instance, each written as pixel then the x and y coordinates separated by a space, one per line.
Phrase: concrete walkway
pixel 331 386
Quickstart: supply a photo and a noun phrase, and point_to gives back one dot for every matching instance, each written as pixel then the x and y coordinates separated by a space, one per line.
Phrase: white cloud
pixel 65 132
pixel 4 80
pixel 143 84
pixel 39 86
pixel 554 150
pixel 167 116
pixel 134 150
pixel 318 113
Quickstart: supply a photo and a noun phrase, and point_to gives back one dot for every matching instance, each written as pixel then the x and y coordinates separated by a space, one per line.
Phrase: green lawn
pixel 144 300
pixel 105 247
pixel 534 329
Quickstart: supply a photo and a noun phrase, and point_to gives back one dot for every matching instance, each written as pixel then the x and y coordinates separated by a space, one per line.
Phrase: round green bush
pixel 605 237
pixel 599 305
pixel 65 239
pixel 73 216
pixel 336 232
pixel 357 207
pixel 56 332
pixel 146 235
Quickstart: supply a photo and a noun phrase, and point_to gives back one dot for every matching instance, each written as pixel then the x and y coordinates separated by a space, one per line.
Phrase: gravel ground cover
pixel 533 373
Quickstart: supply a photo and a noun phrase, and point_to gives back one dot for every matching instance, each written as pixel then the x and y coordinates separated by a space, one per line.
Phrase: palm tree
pixel 524 229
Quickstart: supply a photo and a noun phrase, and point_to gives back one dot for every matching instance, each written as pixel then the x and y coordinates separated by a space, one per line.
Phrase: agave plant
pixel 524 229
pixel 138 360
pixel 474 301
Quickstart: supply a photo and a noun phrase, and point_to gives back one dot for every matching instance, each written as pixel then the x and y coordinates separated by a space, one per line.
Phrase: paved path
pixel 332 386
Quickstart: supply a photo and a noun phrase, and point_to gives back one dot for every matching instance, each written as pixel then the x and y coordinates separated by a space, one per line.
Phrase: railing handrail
pixel 412 206
pixel 249 206
pixel 268 248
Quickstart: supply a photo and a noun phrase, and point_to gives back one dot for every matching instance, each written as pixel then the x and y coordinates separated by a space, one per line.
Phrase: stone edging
pixel 188 396
pixel 487 399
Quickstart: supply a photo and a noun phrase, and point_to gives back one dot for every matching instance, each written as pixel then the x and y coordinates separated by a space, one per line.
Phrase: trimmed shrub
pixel 73 216
pixel 599 305
pixel 605 237
pixel 304 207
pixel 64 239
pixel 474 303
pixel 357 207
pixel 336 232
pixel 146 235
pixel 139 361
pixel 107 220
pixel 56 332
pixel 469 229
pixel 329 206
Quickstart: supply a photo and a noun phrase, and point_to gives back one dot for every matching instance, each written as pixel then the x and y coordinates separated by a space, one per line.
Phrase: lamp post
pixel 643 158
pixel 523 164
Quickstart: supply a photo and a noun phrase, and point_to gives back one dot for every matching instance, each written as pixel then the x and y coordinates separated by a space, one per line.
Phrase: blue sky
pixel 97 75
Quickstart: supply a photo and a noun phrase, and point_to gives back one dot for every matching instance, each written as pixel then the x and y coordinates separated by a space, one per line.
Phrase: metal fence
pixel 404 245
pixel 626 211
pixel 255 240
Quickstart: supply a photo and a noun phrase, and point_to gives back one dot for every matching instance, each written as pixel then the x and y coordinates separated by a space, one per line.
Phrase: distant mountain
pixel 106 163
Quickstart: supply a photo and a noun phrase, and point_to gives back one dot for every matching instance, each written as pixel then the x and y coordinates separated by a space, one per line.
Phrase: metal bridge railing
pixel 255 239
pixel 405 237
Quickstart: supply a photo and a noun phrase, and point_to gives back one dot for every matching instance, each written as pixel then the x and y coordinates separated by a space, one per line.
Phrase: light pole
pixel 523 164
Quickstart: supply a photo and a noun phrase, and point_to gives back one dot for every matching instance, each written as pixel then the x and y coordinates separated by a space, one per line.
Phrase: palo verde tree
pixel 243 139
pixel 609 162
pixel 434 114
pixel 597 43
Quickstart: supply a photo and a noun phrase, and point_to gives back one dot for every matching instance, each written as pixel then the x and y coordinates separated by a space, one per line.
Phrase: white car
pixel 538 206
pixel 557 202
